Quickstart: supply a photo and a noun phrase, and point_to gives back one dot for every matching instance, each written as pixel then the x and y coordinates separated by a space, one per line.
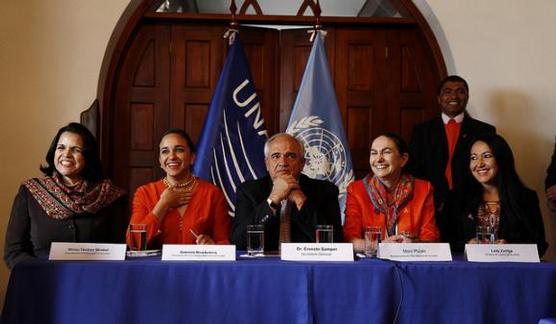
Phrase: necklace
pixel 186 185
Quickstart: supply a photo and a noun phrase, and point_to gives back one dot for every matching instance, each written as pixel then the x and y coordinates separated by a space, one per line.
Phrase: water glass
pixel 372 236
pixel 485 234
pixel 324 234
pixel 138 237
pixel 255 240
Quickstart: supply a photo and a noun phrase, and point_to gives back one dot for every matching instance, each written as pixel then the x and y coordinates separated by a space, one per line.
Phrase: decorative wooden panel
pixel 145 73
pixel 360 62
pixel 197 59
pixel 141 108
pixel 142 127
pixel 360 87
pixel 192 114
pixel 262 49
pixel 197 63
pixel 412 94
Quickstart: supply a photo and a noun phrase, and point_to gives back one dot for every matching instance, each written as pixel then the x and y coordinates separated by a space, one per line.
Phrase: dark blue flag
pixel 317 122
pixel 230 150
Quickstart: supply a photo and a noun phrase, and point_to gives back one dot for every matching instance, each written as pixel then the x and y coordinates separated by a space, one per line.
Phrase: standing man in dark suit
pixel 440 154
pixel 288 203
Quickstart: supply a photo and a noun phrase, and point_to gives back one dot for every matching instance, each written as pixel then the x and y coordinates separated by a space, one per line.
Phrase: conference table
pixel 269 290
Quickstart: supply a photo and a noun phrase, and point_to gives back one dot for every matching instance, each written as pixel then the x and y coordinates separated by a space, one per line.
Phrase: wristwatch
pixel 272 204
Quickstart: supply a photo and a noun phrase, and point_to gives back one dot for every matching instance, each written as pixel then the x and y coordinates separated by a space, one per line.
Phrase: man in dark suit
pixel 288 203
pixel 440 153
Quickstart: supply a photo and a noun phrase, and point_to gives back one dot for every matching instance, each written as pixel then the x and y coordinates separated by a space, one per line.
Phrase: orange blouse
pixel 416 217
pixel 206 213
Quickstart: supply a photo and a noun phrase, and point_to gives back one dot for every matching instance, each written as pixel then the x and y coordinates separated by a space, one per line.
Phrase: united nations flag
pixel 317 122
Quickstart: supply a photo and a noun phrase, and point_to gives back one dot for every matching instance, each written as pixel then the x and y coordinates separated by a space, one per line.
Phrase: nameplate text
pixel 415 251
pixel 86 251
pixel 316 251
pixel 502 253
pixel 193 252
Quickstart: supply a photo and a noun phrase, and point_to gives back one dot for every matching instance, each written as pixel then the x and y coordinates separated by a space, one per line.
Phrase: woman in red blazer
pixel 390 198
pixel 180 208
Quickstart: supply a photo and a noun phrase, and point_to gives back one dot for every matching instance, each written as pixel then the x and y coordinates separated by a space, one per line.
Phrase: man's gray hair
pixel 278 135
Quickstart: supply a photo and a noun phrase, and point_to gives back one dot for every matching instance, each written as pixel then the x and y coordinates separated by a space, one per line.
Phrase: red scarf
pixel 403 193
pixel 62 202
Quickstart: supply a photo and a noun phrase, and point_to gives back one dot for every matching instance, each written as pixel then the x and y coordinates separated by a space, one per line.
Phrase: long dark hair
pixel 510 187
pixel 92 171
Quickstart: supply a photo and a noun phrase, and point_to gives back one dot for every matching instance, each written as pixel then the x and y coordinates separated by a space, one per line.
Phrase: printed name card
pixel 415 251
pixel 502 253
pixel 86 251
pixel 193 252
pixel 316 251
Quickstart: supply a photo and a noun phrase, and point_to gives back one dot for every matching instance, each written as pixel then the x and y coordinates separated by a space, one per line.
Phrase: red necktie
pixel 452 133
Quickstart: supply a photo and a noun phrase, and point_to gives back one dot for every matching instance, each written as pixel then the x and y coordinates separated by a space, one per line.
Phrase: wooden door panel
pixel 197 58
pixel 361 89
pixel 261 47
pixel 141 107
pixel 412 82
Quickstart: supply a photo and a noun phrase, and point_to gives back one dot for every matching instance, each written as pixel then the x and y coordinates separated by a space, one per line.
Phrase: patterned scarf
pixel 62 202
pixel 403 193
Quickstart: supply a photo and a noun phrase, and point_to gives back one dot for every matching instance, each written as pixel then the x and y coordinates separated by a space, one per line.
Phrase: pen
pixel 194 234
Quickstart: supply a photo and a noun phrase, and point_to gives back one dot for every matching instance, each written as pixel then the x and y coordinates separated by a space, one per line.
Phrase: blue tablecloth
pixel 269 290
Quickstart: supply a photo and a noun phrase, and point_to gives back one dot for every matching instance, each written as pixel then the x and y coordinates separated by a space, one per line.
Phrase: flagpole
pixel 233 28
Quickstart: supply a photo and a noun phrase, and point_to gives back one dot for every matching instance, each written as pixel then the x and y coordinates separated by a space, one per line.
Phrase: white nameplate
pixel 193 252
pixel 502 253
pixel 316 251
pixel 86 251
pixel 415 251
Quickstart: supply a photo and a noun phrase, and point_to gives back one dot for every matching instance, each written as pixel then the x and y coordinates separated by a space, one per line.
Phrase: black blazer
pixel 428 159
pixel 320 208
pixel 528 229
pixel 30 230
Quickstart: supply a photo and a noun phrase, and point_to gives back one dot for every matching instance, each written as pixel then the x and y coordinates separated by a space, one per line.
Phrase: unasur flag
pixel 317 122
pixel 230 150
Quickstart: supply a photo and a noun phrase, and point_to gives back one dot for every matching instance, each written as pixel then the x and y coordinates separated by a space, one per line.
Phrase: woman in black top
pixel 498 199
pixel 71 203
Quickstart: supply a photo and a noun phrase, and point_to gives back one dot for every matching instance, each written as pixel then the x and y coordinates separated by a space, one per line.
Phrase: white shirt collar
pixel 458 118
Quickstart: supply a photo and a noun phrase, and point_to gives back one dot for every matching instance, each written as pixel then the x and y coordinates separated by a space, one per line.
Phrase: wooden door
pixel 168 79
pixel 384 80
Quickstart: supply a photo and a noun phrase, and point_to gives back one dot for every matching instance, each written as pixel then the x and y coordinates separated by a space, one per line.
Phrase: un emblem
pixel 325 155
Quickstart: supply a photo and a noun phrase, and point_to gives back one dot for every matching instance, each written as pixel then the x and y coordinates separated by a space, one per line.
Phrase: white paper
pixel 415 251
pixel 316 251
pixel 193 252
pixel 86 251
pixel 502 253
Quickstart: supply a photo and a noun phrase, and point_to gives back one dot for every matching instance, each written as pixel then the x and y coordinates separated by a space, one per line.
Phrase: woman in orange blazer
pixel 390 199
pixel 180 208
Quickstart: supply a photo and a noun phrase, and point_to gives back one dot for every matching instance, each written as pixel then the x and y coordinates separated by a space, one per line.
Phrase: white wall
pixel 51 52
